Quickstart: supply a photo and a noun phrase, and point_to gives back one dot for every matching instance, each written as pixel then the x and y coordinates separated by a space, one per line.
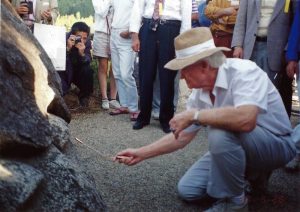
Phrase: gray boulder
pixel 35 172
pixel 18 182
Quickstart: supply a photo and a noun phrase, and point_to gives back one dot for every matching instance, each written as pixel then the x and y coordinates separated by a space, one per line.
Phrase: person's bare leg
pixel 102 77
pixel 112 84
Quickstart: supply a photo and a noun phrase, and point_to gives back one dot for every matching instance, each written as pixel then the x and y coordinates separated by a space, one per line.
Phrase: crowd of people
pixel 238 57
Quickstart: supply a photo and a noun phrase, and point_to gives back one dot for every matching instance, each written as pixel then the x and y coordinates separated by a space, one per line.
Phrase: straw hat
pixel 192 46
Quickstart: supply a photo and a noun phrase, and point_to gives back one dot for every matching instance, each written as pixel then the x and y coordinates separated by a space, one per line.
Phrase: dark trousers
pixel 82 77
pixel 157 48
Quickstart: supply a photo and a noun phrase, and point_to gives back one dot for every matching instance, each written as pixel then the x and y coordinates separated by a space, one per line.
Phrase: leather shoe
pixel 139 125
pixel 166 128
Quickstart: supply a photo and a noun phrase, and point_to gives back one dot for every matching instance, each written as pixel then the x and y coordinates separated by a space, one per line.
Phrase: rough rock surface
pixel 18 182
pixel 35 174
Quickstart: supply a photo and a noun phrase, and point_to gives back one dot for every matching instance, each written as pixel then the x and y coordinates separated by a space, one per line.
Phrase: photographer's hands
pixel 80 45
pixel 70 42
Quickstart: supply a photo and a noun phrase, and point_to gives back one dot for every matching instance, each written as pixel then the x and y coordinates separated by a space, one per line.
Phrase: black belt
pixel 163 21
pixel 261 39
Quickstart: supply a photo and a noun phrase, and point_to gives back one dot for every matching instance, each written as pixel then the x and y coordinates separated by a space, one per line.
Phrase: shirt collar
pixel 221 82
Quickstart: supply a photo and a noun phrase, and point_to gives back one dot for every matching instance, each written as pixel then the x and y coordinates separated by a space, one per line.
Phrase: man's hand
pixel 230 11
pixel 46 15
pixel 181 121
pixel 129 157
pixel 135 42
pixel 238 52
pixel 81 47
pixel 22 9
pixel 125 34
pixel 292 68
pixel 70 42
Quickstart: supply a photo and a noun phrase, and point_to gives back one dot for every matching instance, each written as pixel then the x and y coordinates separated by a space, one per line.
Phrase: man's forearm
pixel 166 144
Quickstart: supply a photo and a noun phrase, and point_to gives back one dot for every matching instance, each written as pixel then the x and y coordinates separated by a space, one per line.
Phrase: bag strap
pixel 107 24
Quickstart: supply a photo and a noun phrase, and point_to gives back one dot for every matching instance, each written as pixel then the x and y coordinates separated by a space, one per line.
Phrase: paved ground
pixel 151 185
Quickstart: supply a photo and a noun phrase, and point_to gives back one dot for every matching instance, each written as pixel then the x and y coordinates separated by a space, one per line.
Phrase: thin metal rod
pixel 99 153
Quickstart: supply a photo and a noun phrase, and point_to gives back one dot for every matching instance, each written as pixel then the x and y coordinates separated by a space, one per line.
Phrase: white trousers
pixel 122 59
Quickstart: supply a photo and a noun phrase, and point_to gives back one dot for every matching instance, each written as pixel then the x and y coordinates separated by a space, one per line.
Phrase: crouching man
pixel 78 70
pixel 249 134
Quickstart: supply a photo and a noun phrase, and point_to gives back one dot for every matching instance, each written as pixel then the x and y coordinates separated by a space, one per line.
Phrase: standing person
pixel 101 50
pixel 36 11
pixel 162 21
pixel 195 15
pixel 239 104
pixel 78 70
pixel 223 15
pixel 122 56
pixel 261 34
pixel 292 56
pixel 203 20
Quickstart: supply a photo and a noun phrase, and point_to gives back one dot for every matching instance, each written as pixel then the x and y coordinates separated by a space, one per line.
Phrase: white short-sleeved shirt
pixel 241 82
pixel 171 10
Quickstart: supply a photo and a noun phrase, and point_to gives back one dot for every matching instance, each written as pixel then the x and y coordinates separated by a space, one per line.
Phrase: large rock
pixel 35 174
pixel 18 182
pixel 30 88
pixel 65 186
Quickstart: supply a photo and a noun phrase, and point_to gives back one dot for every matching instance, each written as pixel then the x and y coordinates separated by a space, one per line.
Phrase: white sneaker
pixel 105 104
pixel 155 115
pixel 227 206
pixel 114 104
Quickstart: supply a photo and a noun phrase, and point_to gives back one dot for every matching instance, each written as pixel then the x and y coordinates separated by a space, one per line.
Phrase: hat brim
pixel 180 63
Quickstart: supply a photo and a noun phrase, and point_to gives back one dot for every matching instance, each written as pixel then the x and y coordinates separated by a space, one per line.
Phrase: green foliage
pixel 69 20
pixel 69 7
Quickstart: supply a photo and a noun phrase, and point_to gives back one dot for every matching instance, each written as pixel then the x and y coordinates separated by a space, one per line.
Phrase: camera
pixel 77 39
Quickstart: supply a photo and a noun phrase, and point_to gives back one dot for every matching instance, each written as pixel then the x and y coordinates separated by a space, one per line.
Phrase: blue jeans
pixel 296 132
pixel 156 93
pixel 122 59
pixel 221 172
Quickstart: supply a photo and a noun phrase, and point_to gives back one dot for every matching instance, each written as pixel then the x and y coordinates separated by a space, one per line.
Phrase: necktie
pixel 156 9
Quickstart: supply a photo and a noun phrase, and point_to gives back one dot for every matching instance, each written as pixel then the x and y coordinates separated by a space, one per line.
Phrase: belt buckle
pixel 153 24
pixel 162 21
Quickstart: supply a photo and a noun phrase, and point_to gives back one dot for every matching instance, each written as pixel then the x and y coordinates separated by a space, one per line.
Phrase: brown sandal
pixel 118 111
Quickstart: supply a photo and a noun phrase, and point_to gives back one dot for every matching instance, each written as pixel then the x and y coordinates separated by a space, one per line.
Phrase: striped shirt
pixel 266 12
pixel 194 6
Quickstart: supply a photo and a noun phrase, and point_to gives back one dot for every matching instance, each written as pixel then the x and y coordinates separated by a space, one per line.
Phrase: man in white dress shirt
pixel 153 32
pixel 248 134
pixel 122 55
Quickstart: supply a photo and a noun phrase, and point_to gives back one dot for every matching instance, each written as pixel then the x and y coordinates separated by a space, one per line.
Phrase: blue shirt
pixel 293 49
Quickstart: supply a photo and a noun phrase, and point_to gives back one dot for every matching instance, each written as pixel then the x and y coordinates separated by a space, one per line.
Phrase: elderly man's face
pixel 200 75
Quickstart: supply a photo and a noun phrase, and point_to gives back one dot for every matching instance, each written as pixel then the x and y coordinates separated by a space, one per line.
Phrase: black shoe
pixel 139 125
pixel 166 128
